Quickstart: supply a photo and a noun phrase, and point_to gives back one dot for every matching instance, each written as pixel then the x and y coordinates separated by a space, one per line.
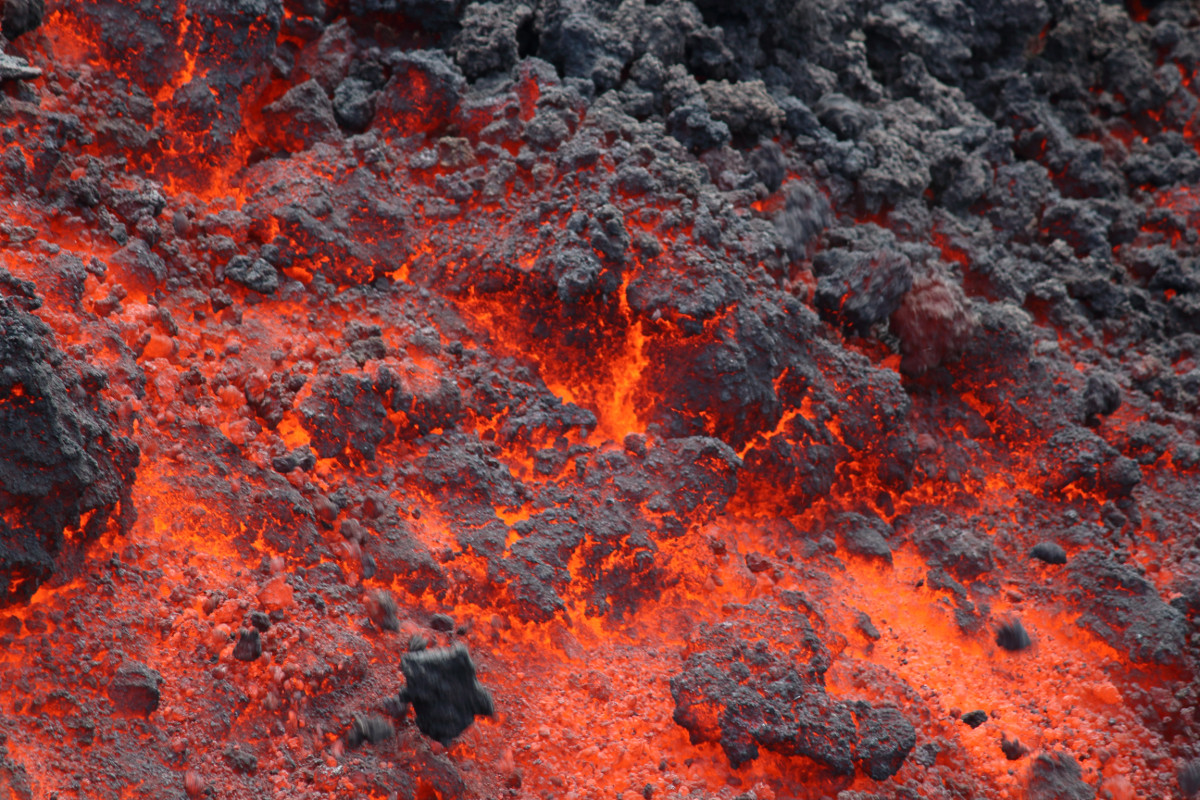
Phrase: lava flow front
pixel 600 398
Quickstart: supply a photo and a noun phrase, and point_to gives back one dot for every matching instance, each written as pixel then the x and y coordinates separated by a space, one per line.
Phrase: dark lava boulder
pixel 443 691
pixel 61 454
pixel 737 691
pixel 135 688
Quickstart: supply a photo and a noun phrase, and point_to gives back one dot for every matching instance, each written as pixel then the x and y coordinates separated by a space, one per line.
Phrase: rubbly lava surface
pixel 584 399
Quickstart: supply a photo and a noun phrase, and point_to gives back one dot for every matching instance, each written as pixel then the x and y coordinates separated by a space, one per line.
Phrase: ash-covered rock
pixel 1123 607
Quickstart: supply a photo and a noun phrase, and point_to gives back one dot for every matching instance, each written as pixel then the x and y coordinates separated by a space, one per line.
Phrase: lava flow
pixel 421 399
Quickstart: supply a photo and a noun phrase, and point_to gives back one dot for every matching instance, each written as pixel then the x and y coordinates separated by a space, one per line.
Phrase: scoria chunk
pixel 444 691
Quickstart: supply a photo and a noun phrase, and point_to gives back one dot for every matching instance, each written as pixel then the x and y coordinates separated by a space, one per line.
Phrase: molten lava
pixel 446 399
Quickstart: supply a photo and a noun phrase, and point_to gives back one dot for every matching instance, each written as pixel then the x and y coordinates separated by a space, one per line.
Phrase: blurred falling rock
pixel 1057 776
pixel 381 607
pixel 371 729
pixel 395 706
pixel 444 692
pixel 135 688
pixel 1012 748
pixel 249 646
pixel 1013 637
pixel 1189 778
pixel 1049 552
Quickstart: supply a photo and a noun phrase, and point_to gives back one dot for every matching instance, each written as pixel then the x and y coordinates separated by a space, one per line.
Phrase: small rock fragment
pixel 1013 749
pixel 253 273
pixel 240 760
pixel 260 620
pixel 249 645
pixel 1101 397
pixel 395 706
pixel 371 729
pixel 975 718
pixel 441 622
pixel 381 608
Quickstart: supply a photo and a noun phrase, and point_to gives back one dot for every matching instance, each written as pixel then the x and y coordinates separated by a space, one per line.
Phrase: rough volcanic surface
pixel 774 399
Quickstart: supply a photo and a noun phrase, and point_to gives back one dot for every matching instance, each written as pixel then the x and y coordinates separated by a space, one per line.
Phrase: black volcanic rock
pixel 1049 552
pixel 253 273
pixel 135 688
pixel 886 737
pixel 975 718
pixel 249 645
pixel 861 276
pixel 1101 397
pixel 865 536
pixel 61 454
pixel 21 16
pixel 961 552
pixel 1013 637
pixel 1122 606
pixel 443 691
